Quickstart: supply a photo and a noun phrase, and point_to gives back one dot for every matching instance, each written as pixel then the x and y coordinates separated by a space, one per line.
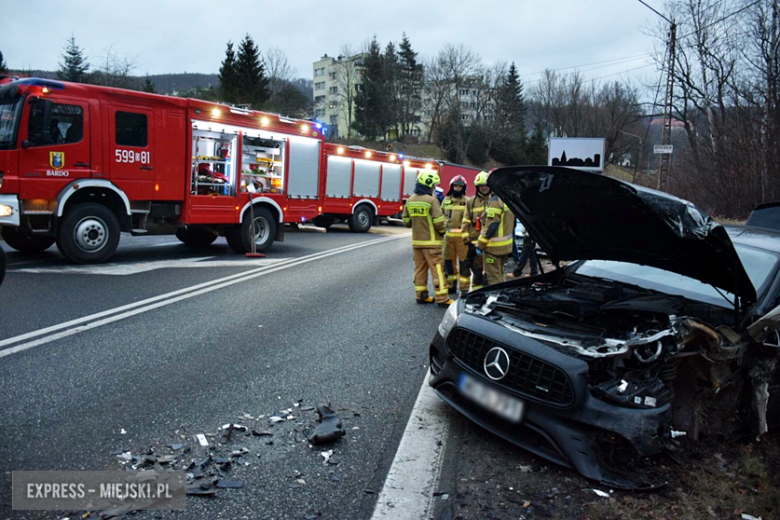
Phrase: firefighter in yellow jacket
pixel 475 209
pixel 495 241
pixel 423 214
pixel 455 249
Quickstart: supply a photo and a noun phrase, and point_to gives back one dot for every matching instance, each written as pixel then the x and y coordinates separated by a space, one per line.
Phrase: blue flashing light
pixel 400 156
pixel 318 125
pixel 38 82
pixel 303 219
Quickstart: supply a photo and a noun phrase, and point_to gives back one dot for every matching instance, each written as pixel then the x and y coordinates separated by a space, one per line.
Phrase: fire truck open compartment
pixel 213 163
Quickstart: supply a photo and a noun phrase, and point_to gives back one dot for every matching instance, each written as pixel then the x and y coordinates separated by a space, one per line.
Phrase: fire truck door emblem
pixel 57 160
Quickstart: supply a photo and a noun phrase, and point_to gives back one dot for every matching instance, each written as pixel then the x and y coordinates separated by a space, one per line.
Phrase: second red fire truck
pixel 79 164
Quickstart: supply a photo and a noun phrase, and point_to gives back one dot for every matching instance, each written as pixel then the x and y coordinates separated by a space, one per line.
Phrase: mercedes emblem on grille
pixel 496 363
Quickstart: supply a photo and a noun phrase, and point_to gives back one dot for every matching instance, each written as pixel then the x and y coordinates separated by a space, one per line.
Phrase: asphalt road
pixel 167 341
pixel 342 330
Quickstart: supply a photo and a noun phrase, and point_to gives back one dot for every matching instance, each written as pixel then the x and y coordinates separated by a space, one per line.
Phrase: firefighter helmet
pixel 428 178
pixel 458 179
pixel 481 178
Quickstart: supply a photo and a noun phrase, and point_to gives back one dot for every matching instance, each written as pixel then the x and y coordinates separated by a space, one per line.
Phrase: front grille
pixel 527 375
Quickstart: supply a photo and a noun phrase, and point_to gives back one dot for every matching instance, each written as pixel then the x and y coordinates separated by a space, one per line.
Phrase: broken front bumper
pixel 562 421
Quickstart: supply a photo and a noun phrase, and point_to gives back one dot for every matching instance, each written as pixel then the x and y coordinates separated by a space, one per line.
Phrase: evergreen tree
pixel 3 64
pixel 536 148
pixel 228 78
pixel 512 102
pixel 411 84
pixel 370 101
pixel 149 86
pixel 74 64
pixel 391 88
pixel 250 73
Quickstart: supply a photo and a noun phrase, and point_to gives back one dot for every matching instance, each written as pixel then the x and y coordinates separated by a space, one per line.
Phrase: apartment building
pixel 336 81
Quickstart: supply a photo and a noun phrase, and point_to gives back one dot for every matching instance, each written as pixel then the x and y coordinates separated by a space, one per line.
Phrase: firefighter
pixel 423 214
pixel 495 239
pixel 475 208
pixel 455 249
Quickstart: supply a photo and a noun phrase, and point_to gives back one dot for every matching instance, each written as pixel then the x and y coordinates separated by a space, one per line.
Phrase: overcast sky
pixel 176 36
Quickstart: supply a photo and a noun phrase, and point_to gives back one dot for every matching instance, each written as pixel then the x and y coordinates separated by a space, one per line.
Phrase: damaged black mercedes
pixel 655 323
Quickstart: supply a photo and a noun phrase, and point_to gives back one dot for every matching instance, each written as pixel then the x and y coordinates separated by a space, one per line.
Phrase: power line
pixel 720 20
pixel 656 12
pixel 628 58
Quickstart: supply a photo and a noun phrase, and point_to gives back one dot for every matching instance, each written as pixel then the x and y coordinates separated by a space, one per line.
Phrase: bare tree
pixel 115 71
pixel 277 69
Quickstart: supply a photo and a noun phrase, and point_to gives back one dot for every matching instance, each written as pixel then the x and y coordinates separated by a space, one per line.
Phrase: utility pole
pixel 665 166
pixel 638 155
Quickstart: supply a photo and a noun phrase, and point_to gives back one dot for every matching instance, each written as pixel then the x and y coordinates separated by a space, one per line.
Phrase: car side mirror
pixel 26 143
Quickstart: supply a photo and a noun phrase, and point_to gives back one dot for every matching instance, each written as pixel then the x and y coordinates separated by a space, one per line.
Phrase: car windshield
pixel 9 121
pixel 758 263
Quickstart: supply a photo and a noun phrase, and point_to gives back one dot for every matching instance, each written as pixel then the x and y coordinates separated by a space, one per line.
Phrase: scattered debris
pixel 275 419
pixel 600 493
pixel 201 488
pixel 329 429
pixel 122 432
pixel 676 434
pixel 257 433
pixel 327 455
pixel 369 491
pixel 439 493
pixel 176 446
pixel 524 469
pixel 202 440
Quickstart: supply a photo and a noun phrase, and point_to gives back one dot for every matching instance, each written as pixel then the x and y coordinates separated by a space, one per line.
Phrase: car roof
pixel 757 237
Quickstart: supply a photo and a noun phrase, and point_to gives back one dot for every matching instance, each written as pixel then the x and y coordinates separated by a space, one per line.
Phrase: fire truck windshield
pixel 10 110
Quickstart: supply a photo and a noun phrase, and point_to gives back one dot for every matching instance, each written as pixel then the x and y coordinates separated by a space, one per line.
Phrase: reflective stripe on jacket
pixel 454 209
pixel 475 207
pixel 423 214
pixel 497 232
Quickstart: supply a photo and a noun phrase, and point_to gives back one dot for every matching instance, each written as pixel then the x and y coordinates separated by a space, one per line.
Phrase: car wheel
pixel 26 242
pixel 361 219
pixel 89 234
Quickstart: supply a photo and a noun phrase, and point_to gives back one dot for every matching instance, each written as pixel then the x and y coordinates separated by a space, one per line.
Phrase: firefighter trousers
pixel 456 263
pixel 475 265
pixel 494 267
pixel 425 260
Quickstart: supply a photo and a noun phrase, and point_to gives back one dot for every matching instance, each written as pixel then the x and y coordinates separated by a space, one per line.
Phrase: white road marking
pixel 125 269
pixel 94 320
pixel 166 244
pixel 414 474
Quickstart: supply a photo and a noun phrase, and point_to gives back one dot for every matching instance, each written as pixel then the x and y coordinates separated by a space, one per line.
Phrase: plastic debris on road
pixel 202 440
pixel 600 493
pixel 329 429
pixel 326 455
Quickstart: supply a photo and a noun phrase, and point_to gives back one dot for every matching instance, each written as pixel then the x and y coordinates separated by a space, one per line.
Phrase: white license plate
pixel 499 403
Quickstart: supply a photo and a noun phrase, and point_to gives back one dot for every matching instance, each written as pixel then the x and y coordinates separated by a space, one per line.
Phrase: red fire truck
pixel 81 163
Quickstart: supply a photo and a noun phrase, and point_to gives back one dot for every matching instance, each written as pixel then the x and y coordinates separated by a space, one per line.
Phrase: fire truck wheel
pixel 26 242
pixel 89 234
pixel 196 237
pixel 264 232
pixel 361 219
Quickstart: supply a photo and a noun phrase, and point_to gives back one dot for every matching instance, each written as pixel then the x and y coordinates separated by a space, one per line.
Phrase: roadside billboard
pixel 582 153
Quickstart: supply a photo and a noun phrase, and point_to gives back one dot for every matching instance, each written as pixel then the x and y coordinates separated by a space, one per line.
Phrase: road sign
pixel 663 148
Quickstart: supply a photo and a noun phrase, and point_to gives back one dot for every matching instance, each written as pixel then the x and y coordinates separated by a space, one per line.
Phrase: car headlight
pixel 450 317
pixel 6 211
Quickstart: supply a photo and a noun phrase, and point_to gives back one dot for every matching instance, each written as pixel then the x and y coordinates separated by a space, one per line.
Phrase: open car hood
pixel 575 215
